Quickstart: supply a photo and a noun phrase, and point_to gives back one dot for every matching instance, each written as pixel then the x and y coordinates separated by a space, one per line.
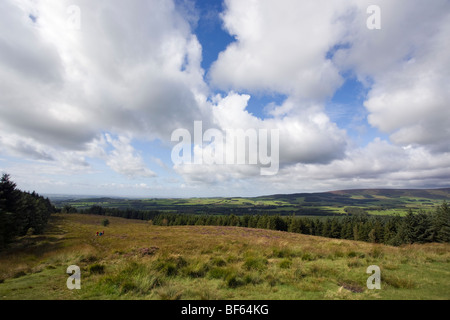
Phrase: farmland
pixel 372 201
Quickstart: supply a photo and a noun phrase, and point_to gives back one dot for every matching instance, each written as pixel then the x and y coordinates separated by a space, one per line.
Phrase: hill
pixel 137 260
pixel 374 201
pixel 440 194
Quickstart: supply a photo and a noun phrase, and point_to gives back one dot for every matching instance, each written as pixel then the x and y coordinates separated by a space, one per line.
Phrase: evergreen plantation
pixel 21 212
pixel 420 227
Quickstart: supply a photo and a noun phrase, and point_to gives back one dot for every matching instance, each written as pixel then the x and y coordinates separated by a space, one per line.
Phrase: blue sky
pixel 91 97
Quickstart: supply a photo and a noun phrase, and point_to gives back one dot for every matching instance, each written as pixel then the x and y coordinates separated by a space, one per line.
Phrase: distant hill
pixel 443 193
pixel 373 201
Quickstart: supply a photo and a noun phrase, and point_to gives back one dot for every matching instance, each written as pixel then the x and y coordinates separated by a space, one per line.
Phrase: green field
pixel 373 201
pixel 137 260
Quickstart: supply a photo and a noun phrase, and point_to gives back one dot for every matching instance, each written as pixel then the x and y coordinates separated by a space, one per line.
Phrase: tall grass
pixel 197 262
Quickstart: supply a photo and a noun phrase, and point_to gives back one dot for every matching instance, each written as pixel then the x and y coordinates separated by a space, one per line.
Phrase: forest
pixel 21 212
pixel 415 227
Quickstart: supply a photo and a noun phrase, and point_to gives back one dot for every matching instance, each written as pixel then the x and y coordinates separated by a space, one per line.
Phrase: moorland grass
pixel 136 260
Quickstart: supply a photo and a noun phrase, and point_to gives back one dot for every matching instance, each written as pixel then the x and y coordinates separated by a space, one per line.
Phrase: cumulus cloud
pixel 125 160
pixel 131 67
pixel 133 71
pixel 308 136
pixel 281 47
pixel 407 63
pixel 377 165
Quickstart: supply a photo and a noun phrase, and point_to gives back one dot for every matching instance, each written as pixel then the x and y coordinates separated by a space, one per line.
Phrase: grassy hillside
pixel 136 260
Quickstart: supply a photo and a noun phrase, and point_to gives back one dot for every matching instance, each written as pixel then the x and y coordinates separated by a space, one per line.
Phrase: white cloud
pixel 408 64
pixel 132 67
pixel 133 71
pixel 125 160
pixel 281 47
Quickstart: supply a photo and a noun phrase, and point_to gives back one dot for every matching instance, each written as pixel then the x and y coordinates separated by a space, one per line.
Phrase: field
pixel 137 260
pixel 373 201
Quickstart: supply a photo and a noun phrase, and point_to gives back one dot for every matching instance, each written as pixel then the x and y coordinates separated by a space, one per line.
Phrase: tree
pixel 105 222
pixel 69 209
pixel 335 229
pixel 21 212
pixel 9 195
pixel 423 227
pixel 408 228
pixel 440 224
pixel 295 225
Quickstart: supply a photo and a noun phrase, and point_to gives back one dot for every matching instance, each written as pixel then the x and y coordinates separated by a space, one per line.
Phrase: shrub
pixel 105 222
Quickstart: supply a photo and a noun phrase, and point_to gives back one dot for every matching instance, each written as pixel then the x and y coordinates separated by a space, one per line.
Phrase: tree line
pixel 420 227
pixel 127 213
pixel 21 212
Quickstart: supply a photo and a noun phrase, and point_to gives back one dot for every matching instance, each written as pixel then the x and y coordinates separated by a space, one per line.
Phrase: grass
pixel 136 260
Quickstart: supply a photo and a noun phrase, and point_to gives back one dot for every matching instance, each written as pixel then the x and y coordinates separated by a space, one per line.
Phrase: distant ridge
pixel 374 201
pixel 441 193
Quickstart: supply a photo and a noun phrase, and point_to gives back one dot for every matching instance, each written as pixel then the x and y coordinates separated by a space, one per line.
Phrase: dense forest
pixel 21 212
pixel 420 227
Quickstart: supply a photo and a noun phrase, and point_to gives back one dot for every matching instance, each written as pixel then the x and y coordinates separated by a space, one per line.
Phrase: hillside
pixel 136 260
pixel 440 194
pixel 374 201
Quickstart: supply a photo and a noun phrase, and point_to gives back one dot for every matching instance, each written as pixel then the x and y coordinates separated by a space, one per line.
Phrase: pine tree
pixel 423 227
pixel 407 231
pixel 9 195
pixel 295 225
pixel 440 224
pixel 326 229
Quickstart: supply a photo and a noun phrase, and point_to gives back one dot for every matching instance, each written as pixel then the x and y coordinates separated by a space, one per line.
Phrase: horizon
pixel 343 95
pixel 94 196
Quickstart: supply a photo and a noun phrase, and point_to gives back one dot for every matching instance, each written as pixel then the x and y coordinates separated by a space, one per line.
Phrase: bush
pixel 105 222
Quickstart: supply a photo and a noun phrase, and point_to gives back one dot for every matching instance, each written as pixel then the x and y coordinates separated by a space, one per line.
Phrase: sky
pixel 91 93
